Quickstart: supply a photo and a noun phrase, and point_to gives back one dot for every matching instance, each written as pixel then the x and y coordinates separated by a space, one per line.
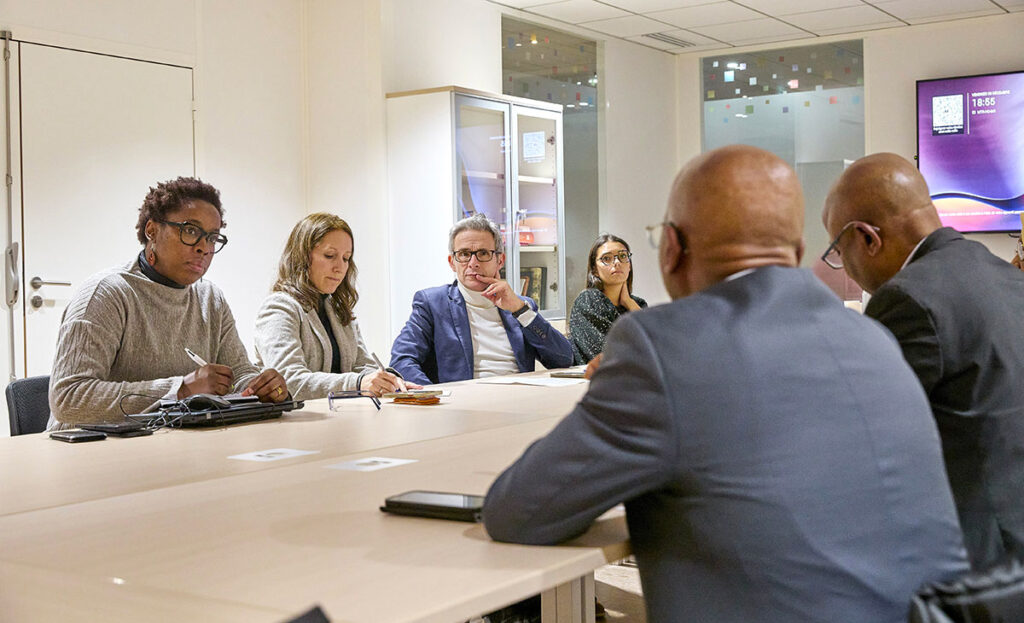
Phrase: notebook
pixel 234 414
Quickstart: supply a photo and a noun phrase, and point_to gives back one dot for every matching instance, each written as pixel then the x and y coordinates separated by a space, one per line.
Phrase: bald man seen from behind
pixel 956 310
pixel 777 459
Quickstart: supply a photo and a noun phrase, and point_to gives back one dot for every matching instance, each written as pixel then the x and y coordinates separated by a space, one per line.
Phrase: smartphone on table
pixel 436 505
pixel 77 436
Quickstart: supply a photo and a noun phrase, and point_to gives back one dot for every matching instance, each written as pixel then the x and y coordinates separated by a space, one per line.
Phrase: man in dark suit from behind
pixel 957 311
pixel 777 458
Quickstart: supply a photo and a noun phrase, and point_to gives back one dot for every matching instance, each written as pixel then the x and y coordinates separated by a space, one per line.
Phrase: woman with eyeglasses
pixel 122 343
pixel 608 295
pixel 306 328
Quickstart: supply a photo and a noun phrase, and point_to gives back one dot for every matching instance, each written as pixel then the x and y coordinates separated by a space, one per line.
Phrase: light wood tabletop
pixel 237 540
pixel 37 472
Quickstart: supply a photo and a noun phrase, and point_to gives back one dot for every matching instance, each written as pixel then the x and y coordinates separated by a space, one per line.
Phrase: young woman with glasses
pixel 608 295
pixel 122 344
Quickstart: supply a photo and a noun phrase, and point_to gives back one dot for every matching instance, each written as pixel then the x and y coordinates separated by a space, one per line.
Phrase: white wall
pixel 347 148
pixel 433 43
pixel 893 60
pixel 639 157
pixel 249 139
pixel 247 59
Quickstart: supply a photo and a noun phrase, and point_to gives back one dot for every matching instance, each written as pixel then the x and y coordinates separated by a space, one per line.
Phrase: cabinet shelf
pixel 537 248
pixel 527 179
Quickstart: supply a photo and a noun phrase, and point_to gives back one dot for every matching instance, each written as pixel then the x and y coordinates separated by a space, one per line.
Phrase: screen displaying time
pixel 970 142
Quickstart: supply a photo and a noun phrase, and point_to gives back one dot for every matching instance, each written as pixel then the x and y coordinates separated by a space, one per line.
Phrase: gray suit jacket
pixel 958 313
pixel 776 456
pixel 294 342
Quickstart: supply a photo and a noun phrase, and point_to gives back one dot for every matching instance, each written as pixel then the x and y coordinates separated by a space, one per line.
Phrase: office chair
pixel 28 405
pixel 995 595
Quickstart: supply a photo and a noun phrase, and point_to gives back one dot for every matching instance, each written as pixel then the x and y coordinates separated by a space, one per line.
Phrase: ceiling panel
pixel 787 7
pixel 848 19
pixel 627 26
pixel 743 22
pixel 579 11
pixel 522 4
pixel 647 6
pixel 705 15
pixel 764 29
pixel 920 11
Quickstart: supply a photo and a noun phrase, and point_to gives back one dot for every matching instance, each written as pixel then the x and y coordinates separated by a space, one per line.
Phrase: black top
pixel 153 275
pixel 590 320
pixel 335 351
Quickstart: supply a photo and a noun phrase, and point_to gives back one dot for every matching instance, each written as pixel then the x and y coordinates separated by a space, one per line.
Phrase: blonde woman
pixel 306 326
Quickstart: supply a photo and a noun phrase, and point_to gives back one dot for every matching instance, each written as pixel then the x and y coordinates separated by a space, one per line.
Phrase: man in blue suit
pixel 476 326
pixel 777 458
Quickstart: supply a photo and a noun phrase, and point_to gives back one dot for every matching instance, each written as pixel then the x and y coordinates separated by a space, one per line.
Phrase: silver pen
pixel 401 383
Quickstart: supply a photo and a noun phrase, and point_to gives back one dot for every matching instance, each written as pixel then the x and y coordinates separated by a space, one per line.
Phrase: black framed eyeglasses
pixel 191 234
pixel 622 257
pixel 655 231
pixel 483 255
pixel 334 398
pixel 832 258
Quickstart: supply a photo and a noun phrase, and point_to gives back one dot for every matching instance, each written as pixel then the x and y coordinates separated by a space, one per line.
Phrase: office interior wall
pixel 639 158
pixel 893 60
pixel 249 139
pixel 157 30
pixel 249 96
pixel 433 43
pixel 347 172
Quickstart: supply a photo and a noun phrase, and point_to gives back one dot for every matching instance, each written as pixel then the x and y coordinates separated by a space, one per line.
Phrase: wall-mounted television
pixel 970 149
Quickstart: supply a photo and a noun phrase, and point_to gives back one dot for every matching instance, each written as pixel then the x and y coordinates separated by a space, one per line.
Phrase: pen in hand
pixel 202 362
pixel 401 383
pixel 196 358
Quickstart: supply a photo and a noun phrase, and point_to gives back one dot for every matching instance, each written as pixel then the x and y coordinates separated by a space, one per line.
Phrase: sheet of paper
pixel 370 464
pixel 274 454
pixel 543 381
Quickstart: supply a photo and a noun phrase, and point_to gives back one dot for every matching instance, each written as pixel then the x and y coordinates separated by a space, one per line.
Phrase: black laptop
pixel 174 416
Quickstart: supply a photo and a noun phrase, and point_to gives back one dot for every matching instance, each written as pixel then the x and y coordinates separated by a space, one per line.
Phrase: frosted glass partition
pixel 806 105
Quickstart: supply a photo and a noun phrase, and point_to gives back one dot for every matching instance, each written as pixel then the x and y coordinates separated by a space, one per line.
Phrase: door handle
pixel 12 283
pixel 38 282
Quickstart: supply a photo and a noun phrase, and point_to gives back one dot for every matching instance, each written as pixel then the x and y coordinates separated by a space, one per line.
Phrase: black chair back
pixel 28 405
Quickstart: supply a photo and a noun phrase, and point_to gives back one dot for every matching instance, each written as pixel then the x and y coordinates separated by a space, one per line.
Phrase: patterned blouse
pixel 590 320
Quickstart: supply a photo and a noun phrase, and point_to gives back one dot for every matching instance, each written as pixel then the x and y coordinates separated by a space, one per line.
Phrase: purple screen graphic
pixel 970 145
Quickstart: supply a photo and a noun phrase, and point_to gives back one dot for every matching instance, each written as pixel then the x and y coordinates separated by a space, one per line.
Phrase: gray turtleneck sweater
pixel 122 345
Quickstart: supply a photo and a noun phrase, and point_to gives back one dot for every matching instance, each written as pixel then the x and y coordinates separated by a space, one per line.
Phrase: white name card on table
pixel 370 464
pixel 274 454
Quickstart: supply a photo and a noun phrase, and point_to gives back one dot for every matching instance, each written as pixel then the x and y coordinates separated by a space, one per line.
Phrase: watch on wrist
pixel 522 310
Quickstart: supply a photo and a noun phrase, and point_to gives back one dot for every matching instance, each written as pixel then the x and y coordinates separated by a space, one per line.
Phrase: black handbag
pixel 995 595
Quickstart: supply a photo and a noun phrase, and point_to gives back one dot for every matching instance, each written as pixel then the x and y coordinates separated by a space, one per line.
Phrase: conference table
pixel 178 526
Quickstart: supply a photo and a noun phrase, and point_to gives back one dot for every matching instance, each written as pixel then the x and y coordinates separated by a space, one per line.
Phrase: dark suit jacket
pixel 436 346
pixel 777 459
pixel 958 313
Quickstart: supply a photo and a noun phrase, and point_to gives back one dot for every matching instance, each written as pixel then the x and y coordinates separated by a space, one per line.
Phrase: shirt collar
pixel 913 252
pixel 738 274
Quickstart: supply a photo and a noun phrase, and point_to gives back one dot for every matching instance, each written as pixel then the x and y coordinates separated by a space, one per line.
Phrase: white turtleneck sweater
pixel 492 352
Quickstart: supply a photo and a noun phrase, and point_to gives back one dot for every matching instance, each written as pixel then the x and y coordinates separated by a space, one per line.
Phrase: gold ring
pixel 277 391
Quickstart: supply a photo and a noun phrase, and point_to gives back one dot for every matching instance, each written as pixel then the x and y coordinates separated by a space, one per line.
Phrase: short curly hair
pixel 171 195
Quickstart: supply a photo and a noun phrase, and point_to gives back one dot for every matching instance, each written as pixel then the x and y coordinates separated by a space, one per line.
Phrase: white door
pixel 95 133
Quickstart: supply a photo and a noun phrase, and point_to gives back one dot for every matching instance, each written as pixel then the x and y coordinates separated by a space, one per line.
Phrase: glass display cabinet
pixel 502 157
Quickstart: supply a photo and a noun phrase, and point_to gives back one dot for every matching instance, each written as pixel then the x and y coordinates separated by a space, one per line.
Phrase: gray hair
pixel 477 222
